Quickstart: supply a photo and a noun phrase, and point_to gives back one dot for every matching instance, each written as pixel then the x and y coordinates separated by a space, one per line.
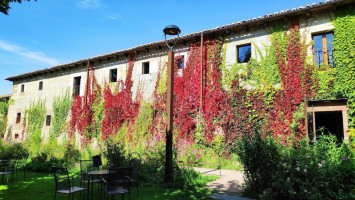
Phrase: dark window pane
pixel 40 86
pixel 18 118
pixel 76 86
pixel 244 53
pixel 48 120
pixel 318 49
pixel 145 67
pixel 113 75
pixel 22 88
pixel 180 62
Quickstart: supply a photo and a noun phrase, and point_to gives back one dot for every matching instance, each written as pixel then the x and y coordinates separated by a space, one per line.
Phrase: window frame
pixel 22 88
pixel 243 45
pixel 180 59
pixel 48 120
pixel 76 88
pixel 40 86
pixel 110 74
pixel 18 118
pixel 144 65
pixel 324 48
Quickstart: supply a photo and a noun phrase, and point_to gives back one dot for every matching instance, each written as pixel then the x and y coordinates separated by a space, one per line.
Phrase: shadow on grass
pixel 38 186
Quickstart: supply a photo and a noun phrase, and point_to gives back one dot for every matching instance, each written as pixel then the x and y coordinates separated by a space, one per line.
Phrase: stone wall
pixel 57 83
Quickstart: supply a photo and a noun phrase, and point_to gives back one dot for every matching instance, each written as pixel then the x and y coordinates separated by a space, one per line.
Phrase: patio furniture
pixel 64 184
pixel 97 173
pixel 8 166
pixel 22 161
pixel 4 170
pixel 97 160
pixel 118 181
pixel 87 166
pixel 136 165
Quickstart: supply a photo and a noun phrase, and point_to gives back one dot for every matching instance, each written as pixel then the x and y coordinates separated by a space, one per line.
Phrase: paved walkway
pixel 230 182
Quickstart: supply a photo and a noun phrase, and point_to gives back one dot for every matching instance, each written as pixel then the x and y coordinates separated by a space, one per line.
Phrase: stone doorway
pixel 327 117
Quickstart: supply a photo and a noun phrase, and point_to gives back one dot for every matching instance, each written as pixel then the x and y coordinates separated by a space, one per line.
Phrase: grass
pixel 38 186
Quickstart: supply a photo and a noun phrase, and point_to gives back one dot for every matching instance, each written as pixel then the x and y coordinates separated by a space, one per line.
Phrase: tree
pixel 5 5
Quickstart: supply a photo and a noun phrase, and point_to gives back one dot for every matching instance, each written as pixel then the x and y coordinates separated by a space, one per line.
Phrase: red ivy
pixel 119 105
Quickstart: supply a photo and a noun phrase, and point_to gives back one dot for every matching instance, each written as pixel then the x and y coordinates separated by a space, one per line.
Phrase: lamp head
pixel 172 30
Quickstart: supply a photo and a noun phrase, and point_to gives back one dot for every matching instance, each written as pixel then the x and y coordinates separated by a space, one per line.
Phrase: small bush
pixel 114 154
pixel 10 149
pixel 299 171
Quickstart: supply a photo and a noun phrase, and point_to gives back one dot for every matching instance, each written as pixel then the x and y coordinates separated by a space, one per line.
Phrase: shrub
pixel 323 170
pixel 114 153
pixel 10 149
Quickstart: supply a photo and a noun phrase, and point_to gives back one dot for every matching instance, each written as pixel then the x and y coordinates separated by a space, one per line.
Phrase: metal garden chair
pixel 85 167
pixel 22 161
pixel 136 165
pixel 64 184
pixel 118 181
pixel 8 167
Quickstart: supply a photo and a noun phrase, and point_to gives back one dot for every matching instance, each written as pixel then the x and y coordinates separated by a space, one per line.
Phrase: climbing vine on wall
pixel 34 118
pixel 82 112
pixel 344 53
pixel 61 107
pixel 3 116
pixel 119 104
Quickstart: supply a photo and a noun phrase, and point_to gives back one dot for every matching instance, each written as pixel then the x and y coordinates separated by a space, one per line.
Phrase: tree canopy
pixel 5 5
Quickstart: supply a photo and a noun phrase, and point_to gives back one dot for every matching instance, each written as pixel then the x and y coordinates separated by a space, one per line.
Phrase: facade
pixel 242 40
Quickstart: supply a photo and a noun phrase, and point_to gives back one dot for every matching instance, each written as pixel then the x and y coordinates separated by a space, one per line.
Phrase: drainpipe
pixel 201 92
pixel 314 124
pixel 306 117
pixel 87 82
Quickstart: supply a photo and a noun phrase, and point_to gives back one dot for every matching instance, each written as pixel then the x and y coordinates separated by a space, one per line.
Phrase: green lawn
pixel 41 186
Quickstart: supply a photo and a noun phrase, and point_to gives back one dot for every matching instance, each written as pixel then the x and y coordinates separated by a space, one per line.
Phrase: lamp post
pixel 171 30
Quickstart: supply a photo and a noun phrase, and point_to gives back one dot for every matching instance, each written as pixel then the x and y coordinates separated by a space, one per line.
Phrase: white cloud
pixel 34 55
pixel 87 4
pixel 114 16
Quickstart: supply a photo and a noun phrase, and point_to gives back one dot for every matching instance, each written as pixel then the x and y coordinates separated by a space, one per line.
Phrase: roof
pixel 185 38
pixel 5 96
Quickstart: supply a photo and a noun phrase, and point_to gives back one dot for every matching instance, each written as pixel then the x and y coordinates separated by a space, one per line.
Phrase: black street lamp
pixel 171 30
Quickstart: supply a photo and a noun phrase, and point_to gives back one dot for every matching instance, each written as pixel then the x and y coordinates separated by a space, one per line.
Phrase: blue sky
pixel 45 33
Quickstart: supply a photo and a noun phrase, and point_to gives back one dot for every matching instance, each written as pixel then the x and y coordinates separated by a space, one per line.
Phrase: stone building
pixel 241 41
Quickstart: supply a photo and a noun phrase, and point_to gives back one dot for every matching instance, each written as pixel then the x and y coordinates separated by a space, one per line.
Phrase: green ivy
pixel 325 83
pixel 35 116
pixel 98 113
pixel 344 53
pixel 141 128
pixel 61 108
pixel 263 67
pixel 163 80
pixel 3 115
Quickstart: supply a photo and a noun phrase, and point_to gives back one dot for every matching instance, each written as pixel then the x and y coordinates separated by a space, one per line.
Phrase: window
pixel 243 53
pixel 48 120
pixel 16 136
pixel 76 87
pixel 113 75
pixel 145 68
pixel 18 118
pixel 40 85
pixel 180 62
pixel 323 49
pixel 23 88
